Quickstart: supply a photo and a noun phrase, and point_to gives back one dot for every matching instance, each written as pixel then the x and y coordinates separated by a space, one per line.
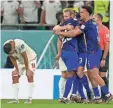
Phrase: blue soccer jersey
pixel 93 50
pixel 70 49
pixel 81 47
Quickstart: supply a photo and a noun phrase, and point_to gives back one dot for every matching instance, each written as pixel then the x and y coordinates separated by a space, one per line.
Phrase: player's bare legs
pixel 62 83
pixel 30 78
pixel 15 82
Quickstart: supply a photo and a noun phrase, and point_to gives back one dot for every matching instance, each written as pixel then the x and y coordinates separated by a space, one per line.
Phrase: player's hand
pixel 15 73
pixel 56 28
pixel 102 63
pixel 29 72
pixel 69 27
pixel 57 57
pixel 57 32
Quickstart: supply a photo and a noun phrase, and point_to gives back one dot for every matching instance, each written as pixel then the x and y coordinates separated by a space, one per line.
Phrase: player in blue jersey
pixel 69 52
pixel 81 64
pixel 93 50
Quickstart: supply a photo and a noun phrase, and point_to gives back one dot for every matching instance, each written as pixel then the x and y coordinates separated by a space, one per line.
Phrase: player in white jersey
pixel 23 59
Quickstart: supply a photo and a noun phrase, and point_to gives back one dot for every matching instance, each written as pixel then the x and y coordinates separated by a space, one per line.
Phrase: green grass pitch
pixel 52 104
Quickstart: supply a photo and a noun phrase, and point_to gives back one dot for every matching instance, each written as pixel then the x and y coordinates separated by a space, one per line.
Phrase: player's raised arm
pixel 71 33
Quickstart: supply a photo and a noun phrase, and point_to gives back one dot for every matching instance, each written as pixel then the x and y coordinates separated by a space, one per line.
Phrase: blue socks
pixel 105 89
pixel 85 83
pixel 96 92
pixel 68 86
pixel 75 84
pixel 80 90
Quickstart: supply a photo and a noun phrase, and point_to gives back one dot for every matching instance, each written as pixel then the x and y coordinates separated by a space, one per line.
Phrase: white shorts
pixel 32 66
pixel 62 65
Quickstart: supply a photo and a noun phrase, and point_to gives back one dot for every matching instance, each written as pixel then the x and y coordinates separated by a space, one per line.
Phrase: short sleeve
pixel 2 6
pixel 59 6
pixel 16 5
pixel 107 35
pixel 21 46
pixel 43 6
pixel 83 28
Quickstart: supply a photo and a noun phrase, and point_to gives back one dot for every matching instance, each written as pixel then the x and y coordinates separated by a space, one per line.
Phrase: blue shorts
pixel 93 59
pixel 82 59
pixel 70 59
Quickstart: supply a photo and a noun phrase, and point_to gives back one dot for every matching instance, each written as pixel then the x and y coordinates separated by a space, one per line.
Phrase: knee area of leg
pixel 15 77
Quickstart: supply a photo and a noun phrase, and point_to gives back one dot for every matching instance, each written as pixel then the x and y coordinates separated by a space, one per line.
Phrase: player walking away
pixel 23 59
pixel 93 50
pixel 104 39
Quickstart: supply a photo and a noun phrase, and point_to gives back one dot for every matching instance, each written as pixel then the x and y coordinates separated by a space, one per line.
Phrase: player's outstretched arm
pixel 71 33
pixel 60 28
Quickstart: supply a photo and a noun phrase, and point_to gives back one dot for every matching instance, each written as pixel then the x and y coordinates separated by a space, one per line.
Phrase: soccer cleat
pixel 65 101
pixel 13 101
pixel 84 101
pixel 75 99
pixel 109 98
pixel 28 101
pixel 97 101
pixel 89 95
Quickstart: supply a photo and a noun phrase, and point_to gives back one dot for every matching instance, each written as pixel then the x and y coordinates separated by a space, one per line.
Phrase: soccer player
pixel 62 66
pixel 104 40
pixel 93 50
pixel 24 59
pixel 81 79
pixel 81 65
pixel 68 53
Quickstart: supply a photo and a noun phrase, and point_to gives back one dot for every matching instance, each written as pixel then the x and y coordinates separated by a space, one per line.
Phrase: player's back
pixel 20 47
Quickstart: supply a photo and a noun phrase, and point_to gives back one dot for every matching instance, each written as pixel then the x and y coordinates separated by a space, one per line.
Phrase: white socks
pixel 15 90
pixel 30 90
pixel 62 83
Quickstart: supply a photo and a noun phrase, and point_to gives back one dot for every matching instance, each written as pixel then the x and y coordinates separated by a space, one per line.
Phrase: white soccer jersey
pixel 20 47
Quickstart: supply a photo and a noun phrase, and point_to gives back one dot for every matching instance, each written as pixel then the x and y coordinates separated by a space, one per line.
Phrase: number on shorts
pixel 80 60
pixel 33 65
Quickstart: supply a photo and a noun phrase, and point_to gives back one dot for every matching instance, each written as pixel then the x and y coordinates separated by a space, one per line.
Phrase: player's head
pixel 9 47
pixel 73 13
pixel 86 12
pixel 67 14
pixel 59 16
pixel 97 18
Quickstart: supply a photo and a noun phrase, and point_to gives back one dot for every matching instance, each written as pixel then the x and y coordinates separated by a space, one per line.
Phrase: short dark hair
pixel 100 16
pixel 58 15
pixel 89 9
pixel 7 48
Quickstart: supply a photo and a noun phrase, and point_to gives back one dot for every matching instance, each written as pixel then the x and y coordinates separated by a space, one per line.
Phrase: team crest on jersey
pixel 82 26
pixel 22 46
